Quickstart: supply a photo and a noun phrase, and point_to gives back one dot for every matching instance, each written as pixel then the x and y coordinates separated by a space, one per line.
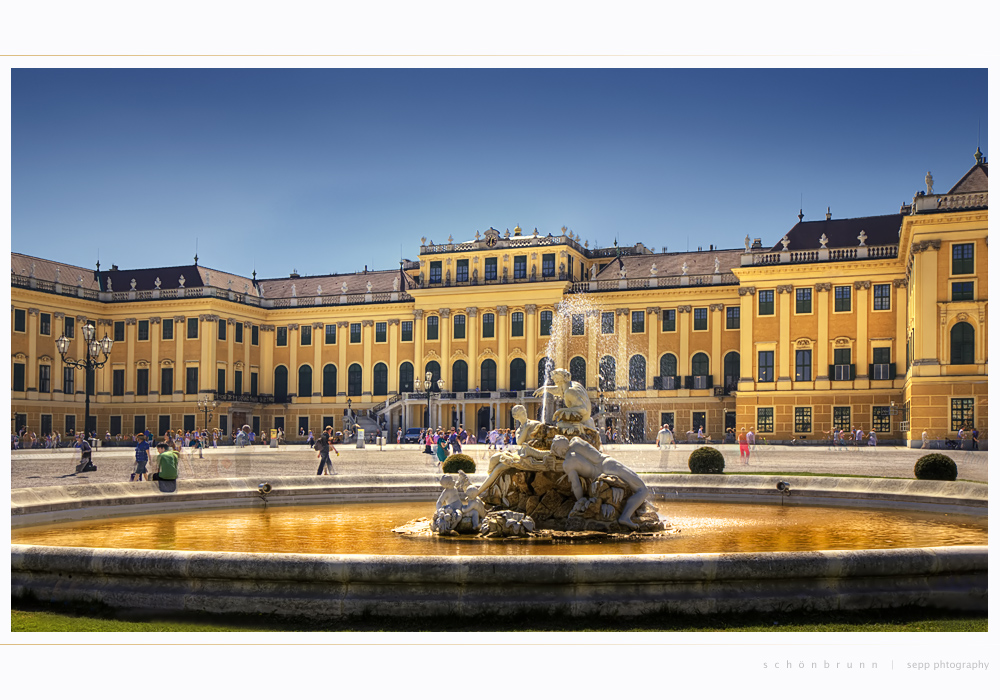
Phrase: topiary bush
pixel 457 462
pixel 706 460
pixel 937 467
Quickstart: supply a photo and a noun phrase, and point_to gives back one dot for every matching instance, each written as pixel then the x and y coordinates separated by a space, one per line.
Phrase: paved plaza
pixel 33 468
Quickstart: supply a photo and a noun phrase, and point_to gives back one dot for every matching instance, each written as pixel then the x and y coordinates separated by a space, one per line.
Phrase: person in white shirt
pixel 665 438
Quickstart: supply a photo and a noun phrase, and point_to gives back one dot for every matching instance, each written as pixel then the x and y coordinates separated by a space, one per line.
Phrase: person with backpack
pixel 323 445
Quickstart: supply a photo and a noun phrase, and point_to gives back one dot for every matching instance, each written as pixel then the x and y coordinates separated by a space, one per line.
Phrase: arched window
pixel 330 380
pixel 637 373
pixel 435 369
pixel 963 344
pixel 460 376
pixel 406 377
pixel 281 384
pixel 518 374
pixel 545 367
pixel 488 375
pixel 731 371
pixel 380 380
pixel 578 370
pixel 354 380
pixel 305 381
pixel 668 366
pixel 606 374
pixel 699 365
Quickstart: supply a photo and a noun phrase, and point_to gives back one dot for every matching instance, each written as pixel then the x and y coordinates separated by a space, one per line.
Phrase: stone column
pixel 899 346
pixel 473 334
pixel 653 329
pixel 622 316
pixel 783 373
pixel 716 329
pixel 593 327
pixel 231 354
pixel 317 387
pixel 418 346
pixel 445 333
pixel 293 365
pixel 343 328
pixel 155 331
pixel 822 290
pixel 503 334
pixel 684 359
pixel 180 370
pixel 531 338
pixel 130 369
pixel 368 342
pixel 209 335
pixel 747 311
pixel 925 297
pixel 265 381
pixel 58 320
pixel 31 373
pixel 860 355
pixel 393 328
pixel 247 369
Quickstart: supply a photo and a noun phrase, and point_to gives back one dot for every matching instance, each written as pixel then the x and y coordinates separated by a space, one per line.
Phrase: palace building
pixel 876 322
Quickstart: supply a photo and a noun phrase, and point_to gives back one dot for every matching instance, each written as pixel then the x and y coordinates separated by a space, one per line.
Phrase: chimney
pixel 828 214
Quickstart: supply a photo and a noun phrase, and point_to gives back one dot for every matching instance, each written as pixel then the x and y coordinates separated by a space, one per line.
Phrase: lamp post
pixel 205 405
pixel 350 418
pixel 94 349
pixel 428 384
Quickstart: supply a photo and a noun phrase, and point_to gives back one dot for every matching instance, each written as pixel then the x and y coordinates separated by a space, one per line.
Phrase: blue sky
pixel 327 170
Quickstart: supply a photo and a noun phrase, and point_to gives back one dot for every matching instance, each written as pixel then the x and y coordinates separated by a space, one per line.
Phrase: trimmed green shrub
pixel 937 467
pixel 706 460
pixel 457 462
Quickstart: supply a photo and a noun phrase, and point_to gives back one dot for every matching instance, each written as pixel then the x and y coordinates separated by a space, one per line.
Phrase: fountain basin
pixel 340 586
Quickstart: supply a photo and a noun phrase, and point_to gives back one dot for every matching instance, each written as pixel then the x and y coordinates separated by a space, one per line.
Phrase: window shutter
pixel 831 375
pixel 871 371
pixel 892 371
pixel 853 372
pixel 688 381
pixel 657 383
pixel 709 384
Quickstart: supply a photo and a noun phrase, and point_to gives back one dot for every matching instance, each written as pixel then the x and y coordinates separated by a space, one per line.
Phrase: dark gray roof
pixel 701 262
pixel 46 270
pixel 357 283
pixel 843 233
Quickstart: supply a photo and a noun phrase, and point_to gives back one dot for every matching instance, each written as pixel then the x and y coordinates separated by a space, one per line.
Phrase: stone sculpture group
pixel 558 479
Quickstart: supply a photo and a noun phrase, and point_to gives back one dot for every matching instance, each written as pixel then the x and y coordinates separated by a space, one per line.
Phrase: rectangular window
pixel 118 382
pixel 238 381
pixel 962 261
pixel 253 383
pixel 962 414
pixel 701 319
pixel 638 321
pixel 254 335
pixel 192 381
pixel 489 321
pixel 520 267
pixel 166 381
pixel 70 425
pixel 331 333
pixel 305 335
pixel 458 326
pixel 435 276
pixel 961 291
pixel 432 328
pixel 142 382
pixel 20 320
pixel 69 327
pixel 669 320
pixel 842 298
pixel 45 324
pixel 843 370
pixel 803 300
pixel 119 331
pixel 167 329
pixel 281 336
pixel 381 331
pixel 842 417
pixel 188 422
pixel 765 366
pixel 462 271
pixel 69 380
pixel 142 330
pixel 880 294
pixel 607 322
pixel 765 419
pixel 192 327
pixel 578 324
pixel 138 424
pixel 115 425
pixel 491 269
pixel 548 264
pixel 406 331
pixel 765 302
pixel 803 419
pixel 803 365
pixel 44 379
pixel 881 419
pixel 238 336
pixel 545 323
pixel 222 328
pixel 355 332
pixel 732 318
pixel 220 381
pixel 517 324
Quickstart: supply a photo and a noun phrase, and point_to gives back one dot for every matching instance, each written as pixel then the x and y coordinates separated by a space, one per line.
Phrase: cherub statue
pixel 448 510
pixel 473 511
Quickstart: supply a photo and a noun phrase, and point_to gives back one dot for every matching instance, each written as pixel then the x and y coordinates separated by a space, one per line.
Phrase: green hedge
pixel 937 467
pixel 457 462
pixel 706 460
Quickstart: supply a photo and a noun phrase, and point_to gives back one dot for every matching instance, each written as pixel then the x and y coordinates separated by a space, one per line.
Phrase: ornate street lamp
pixel 93 350
pixel 206 406
pixel 428 384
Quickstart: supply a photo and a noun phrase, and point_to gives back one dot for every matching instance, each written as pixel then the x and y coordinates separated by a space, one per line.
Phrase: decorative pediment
pixel 20 356
pixel 142 363
pixel 458 355
pixel 166 363
pixel 487 354
pixel 431 355
pixel 45 358
pixel 842 342
pixel 803 343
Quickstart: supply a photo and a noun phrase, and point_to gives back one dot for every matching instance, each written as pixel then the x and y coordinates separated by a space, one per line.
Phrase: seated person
pixel 166 463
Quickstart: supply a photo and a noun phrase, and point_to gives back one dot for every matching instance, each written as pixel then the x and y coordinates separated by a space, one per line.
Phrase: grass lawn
pixel 32 617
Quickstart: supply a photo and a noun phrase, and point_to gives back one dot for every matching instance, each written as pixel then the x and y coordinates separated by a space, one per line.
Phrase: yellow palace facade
pixel 876 322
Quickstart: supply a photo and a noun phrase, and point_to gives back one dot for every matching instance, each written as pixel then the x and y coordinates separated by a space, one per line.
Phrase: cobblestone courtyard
pixel 33 468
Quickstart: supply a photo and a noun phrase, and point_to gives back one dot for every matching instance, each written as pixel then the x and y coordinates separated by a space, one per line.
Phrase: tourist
pixel 923 440
pixel 310 440
pixel 872 439
pixel 975 438
pixel 323 445
pixel 141 458
pixel 701 434
pixel 399 436
pixel 454 442
pixel 744 447
pixel 442 446
pixel 961 436
pixel 664 438
pixel 166 463
pixel 85 464
pixel 751 442
pixel 463 436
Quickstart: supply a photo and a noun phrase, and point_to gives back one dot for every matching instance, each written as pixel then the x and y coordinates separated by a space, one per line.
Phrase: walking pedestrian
pixel 141 458
pixel 744 447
